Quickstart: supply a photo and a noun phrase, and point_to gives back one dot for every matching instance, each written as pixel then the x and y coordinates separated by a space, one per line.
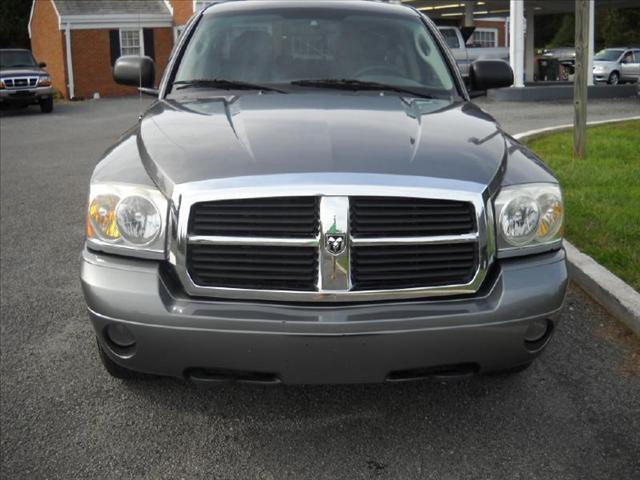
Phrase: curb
pixel 616 296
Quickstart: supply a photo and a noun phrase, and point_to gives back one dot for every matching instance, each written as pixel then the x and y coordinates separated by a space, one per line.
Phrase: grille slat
pixel 253 267
pixel 391 216
pixel 401 266
pixel 291 217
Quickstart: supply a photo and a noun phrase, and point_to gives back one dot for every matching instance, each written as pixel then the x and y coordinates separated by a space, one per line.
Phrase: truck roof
pixel 372 6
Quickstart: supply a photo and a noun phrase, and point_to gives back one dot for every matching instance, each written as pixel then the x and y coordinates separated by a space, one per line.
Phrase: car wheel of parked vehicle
pixel 46 106
pixel 115 370
pixel 614 78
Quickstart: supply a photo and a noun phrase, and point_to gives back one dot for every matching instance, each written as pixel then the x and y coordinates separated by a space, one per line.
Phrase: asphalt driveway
pixel 575 414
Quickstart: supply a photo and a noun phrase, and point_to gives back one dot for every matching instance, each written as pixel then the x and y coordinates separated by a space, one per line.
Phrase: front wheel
pixel 614 78
pixel 46 105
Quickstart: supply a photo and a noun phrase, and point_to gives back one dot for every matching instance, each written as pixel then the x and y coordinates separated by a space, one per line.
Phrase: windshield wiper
pixel 223 84
pixel 349 84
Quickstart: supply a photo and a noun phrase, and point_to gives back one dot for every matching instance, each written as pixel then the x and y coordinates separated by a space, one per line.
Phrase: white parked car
pixel 617 65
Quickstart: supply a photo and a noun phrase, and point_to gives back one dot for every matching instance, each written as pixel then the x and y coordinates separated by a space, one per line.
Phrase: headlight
pixel 529 219
pixel 127 220
pixel 44 81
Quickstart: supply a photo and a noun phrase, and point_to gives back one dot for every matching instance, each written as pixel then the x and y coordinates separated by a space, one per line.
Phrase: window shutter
pixel 114 41
pixel 149 49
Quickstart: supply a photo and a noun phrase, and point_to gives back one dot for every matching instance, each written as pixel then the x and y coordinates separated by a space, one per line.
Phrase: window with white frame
pixel 484 37
pixel 131 42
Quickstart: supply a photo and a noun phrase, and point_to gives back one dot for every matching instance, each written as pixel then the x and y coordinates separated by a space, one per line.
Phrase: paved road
pixel 518 117
pixel 575 414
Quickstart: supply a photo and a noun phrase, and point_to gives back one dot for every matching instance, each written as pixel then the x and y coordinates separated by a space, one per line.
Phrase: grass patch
pixel 602 193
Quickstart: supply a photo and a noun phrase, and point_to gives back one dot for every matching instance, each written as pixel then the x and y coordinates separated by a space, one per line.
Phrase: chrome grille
pixel 398 216
pixel 259 267
pixel 427 241
pixel 20 82
pixel 288 217
pixel 412 266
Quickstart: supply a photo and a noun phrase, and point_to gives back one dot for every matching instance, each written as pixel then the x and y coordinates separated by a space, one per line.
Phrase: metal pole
pixel 580 81
pixel 592 43
pixel 516 41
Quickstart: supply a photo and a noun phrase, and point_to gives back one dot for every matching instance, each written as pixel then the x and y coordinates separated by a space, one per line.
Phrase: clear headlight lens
pixel 528 217
pixel 138 220
pixel 44 81
pixel 127 220
pixel 519 220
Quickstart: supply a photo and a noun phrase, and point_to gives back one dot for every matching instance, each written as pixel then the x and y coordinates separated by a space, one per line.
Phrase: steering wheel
pixel 380 69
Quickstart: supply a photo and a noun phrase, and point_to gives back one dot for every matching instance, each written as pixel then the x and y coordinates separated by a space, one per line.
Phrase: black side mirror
pixel 134 71
pixel 42 65
pixel 486 74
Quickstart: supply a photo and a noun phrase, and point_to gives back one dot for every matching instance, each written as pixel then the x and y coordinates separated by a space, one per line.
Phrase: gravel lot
pixel 575 414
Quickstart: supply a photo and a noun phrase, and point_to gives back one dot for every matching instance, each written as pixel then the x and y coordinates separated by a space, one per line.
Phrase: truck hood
pixel 21 72
pixel 199 139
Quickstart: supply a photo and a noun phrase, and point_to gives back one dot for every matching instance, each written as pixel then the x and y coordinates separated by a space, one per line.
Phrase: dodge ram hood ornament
pixel 335 243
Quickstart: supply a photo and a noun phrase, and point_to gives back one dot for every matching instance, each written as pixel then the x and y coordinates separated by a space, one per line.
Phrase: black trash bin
pixel 548 69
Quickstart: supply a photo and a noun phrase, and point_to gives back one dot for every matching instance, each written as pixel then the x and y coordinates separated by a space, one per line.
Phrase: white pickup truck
pixel 466 55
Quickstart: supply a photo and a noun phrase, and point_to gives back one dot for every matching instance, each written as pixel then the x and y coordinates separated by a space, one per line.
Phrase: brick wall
pixel 182 11
pixel 47 43
pixel 163 42
pixel 92 71
pixel 498 25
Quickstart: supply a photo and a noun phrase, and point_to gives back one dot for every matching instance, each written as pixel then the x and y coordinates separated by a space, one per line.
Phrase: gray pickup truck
pixel 23 81
pixel 313 198
pixel 465 55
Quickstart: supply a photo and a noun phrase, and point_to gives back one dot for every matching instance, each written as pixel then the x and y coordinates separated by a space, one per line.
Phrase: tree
pixel 564 37
pixel 621 27
pixel 14 17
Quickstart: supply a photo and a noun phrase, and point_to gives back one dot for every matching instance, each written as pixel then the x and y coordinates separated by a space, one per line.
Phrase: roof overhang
pixel 87 22
pixel 456 8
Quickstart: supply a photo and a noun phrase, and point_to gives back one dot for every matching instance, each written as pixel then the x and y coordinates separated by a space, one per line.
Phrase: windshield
pixel 608 55
pixel 16 58
pixel 285 45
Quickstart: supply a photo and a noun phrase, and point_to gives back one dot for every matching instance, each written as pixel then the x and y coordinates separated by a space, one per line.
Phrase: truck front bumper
pixel 209 339
pixel 25 96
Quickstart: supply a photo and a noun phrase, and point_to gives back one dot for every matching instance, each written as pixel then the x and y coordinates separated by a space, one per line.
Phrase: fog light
pixel 120 335
pixel 537 330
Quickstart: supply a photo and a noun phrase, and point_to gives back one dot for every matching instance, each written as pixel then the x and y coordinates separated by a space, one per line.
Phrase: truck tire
pixel 115 370
pixel 46 105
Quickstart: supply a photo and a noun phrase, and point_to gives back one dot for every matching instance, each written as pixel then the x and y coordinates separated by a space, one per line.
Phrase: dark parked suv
pixel 313 198
pixel 23 81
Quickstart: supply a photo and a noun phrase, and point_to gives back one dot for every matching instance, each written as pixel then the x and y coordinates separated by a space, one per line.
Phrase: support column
pixel 516 41
pixel 468 14
pixel 529 46
pixel 70 86
pixel 592 43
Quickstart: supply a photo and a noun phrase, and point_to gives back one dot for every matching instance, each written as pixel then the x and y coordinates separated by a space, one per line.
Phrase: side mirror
pixel 42 65
pixel 134 71
pixel 486 74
